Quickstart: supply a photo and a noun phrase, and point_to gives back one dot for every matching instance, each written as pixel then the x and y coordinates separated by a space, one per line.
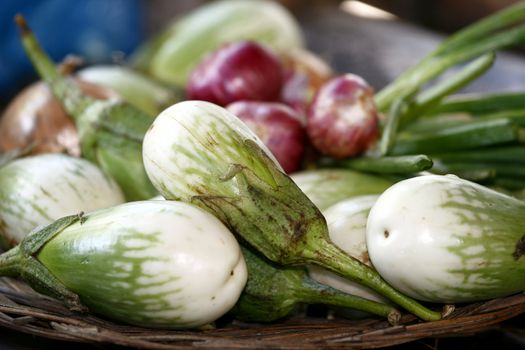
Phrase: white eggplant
pixel 347 229
pixel 39 189
pixel 200 153
pixel 445 239
pixel 157 263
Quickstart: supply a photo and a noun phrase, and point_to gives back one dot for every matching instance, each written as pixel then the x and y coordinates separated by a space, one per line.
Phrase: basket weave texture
pixel 24 310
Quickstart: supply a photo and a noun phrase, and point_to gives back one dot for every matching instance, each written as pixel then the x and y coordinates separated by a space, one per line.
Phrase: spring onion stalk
pixel 479 104
pixel 39 189
pixel 110 131
pixel 475 40
pixel 510 154
pixel 160 264
pixel 471 135
pixel 513 169
pixel 385 165
pixel 274 292
pixel 198 152
pixel 326 187
pixel 445 239
pixel 185 43
pixel 432 96
pixel 389 134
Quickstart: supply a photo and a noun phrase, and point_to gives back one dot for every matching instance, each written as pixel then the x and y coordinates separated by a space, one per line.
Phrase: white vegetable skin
pixel 435 238
pixel 177 259
pixel 347 229
pixel 39 189
pixel 196 142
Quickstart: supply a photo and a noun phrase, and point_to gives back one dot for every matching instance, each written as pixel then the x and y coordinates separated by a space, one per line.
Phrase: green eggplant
pixel 137 89
pixel 274 292
pixel 441 238
pixel 39 189
pixel 200 153
pixel 162 264
pixel 326 187
pixel 110 131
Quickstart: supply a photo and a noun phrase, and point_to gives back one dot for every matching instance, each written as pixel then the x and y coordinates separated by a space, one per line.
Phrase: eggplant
pixel 39 189
pixel 161 264
pixel 274 292
pixel 198 152
pixel 347 229
pixel 327 187
pixel 441 238
pixel 110 131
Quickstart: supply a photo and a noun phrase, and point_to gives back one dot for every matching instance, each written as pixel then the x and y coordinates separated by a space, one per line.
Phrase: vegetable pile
pixel 281 182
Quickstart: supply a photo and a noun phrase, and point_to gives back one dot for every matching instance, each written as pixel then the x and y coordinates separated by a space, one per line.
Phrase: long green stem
pixel 10 262
pixel 386 165
pixel 429 98
pixel 332 258
pixel 510 154
pixel 313 292
pixel 388 136
pixel 479 104
pixel 471 135
pixel 72 98
pixel 472 41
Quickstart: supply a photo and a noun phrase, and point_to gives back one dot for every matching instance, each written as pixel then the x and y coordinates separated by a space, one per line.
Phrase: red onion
pixel 278 126
pixel 343 119
pixel 305 73
pixel 237 71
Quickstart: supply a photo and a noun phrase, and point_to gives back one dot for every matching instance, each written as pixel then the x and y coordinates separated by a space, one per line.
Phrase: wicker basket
pixel 23 310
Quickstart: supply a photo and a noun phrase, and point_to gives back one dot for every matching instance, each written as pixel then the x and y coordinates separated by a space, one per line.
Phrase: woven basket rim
pixel 23 310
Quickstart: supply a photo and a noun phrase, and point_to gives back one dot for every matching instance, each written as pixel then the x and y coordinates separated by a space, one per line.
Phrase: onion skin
pixel 279 127
pixel 35 119
pixel 237 71
pixel 305 74
pixel 342 119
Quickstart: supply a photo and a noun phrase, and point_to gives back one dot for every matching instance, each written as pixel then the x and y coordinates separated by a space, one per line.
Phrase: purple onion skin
pixel 342 120
pixel 280 128
pixel 237 71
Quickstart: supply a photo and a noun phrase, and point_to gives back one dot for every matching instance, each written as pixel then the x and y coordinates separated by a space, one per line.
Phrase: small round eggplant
pixel 278 126
pixel 342 118
pixel 444 239
pixel 40 189
pixel 237 71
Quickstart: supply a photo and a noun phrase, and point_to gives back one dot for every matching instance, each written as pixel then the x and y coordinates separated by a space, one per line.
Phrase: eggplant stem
pixel 330 257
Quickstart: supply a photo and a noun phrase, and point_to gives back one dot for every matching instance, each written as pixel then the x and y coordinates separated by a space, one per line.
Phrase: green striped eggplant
pixel 274 292
pixel 39 189
pixel 162 264
pixel 172 55
pixel 200 153
pixel 326 187
pixel 110 131
pixel 347 229
pixel 441 238
pixel 137 89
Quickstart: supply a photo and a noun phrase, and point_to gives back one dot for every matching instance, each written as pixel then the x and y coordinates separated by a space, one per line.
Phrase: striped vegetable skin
pixel 347 229
pixel 151 263
pixel 326 187
pixel 40 189
pixel 198 152
pixel 445 239
pixel 184 44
